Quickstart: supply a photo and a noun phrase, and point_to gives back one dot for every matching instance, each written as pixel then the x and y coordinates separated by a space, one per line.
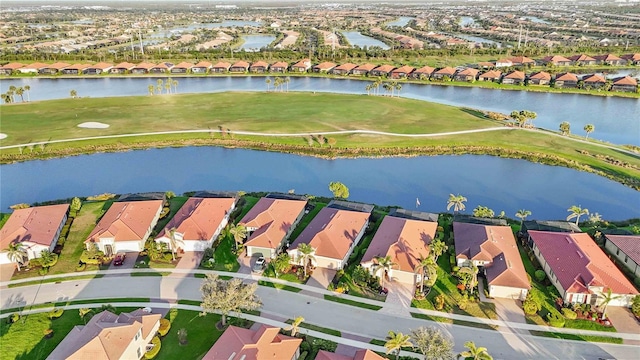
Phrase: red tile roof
pixel 346 67
pixel 327 65
pixel 101 66
pixel 145 65
pixel 542 75
pixel 385 68
pixel 425 70
pixel 57 66
pixel 632 57
pixel 581 57
pixel 199 218
pixel 522 60
pixel 37 225
pixel 567 77
pixel 77 67
pixel 184 64
pixel 365 67
pixel 625 80
pixel 404 69
pixel 468 72
pixel 363 354
pixel 12 66
pixel 628 244
pixel 446 71
pixel 280 64
pixel 607 57
pixel 595 78
pixel 555 59
pixel 260 64
pixel 493 74
pixel 126 221
pixel 222 64
pixel 241 63
pixel 273 218
pixel 304 63
pixel 578 262
pixel 264 344
pixel 125 65
pixel 36 65
pixel 518 75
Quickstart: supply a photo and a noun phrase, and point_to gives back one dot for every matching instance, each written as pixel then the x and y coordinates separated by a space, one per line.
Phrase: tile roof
pixel 625 80
pixel 126 221
pixel 542 75
pixel 446 71
pixel 405 241
pixel 78 67
pixel 222 64
pixel 37 224
pixel 184 64
pixel 468 72
pixel 581 57
pixel 57 66
pixel 362 354
pixel 628 244
pixel 12 66
pixel 492 74
pixel 632 57
pixel 125 65
pixel 260 64
pixel 515 75
pixel 263 344
pixel 327 65
pixel 521 60
pixel 404 69
pixel 385 68
pixel 425 70
pixel 241 63
pixel 273 218
pixel 495 244
pixel 567 77
pixel 280 64
pixel 35 65
pixel 101 66
pixel 607 57
pixel 198 218
pixel 332 232
pixel 594 78
pixel 304 63
pixel 145 65
pixel 365 67
pixel 555 58
pixel 346 67
pixel 578 262
pixel 203 64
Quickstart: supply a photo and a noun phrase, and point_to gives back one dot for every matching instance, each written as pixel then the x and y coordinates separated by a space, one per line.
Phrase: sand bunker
pixel 93 125
pixel 3 136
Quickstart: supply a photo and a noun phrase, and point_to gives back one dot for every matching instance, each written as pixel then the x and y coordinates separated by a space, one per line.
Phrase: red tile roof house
pixel 125 226
pixel 422 73
pixel 594 81
pixel 579 269
pixel 609 59
pixel 98 68
pixel 626 249
pixel 625 83
pixel 491 75
pixel 468 75
pixel 363 69
pixel 201 68
pixel 515 77
pixel 37 228
pixel 301 66
pixel 406 241
pixel 220 67
pixel 266 343
pixel 198 223
pixel 74 69
pixel 556 60
pixel 109 336
pixel 632 59
pixel 402 72
pixel 324 67
pixel 142 68
pixel 53 68
pixel 582 59
pixel 122 68
pixel 522 61
pixel 9 68
pixel 279 67
pixel 382 70
pixel 444 73
pixel 540 78
pixel 33 68
pixel 362 354
pixel 161 68
pixel 344 69
pixel 182 68
pixel 566 80
pixel 493 249
pixel 504 63
pixel 270 222
pixel 333 233
pixel 239 67
pixel 259 67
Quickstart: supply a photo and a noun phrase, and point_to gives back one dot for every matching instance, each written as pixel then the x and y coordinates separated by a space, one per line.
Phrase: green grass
pixel 55 280
pixel 3 218
pixel 161 273
pixel 590 338
pixel 174 205
pixel 352 303
pixel 587 325
pixel 225 259
pixel 306 219
pixel 317 328
pixel 73 302
pixel 279 286
pixel 453 321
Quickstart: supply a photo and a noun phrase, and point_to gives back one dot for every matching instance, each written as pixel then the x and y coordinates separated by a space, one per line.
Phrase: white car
pixel 259 265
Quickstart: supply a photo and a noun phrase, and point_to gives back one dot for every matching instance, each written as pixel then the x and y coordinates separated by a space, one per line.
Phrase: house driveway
pixel 190 260
pixel 6 271
pixel 321 277
pixel 509 310
pixel 624 321
pixel 128 263
pixel 398 299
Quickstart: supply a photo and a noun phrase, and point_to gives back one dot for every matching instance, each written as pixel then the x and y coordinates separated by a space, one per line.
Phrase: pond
pixel 499 183
pixel 355 38
pixel 256 42
pixel 466 21
pixel 401 22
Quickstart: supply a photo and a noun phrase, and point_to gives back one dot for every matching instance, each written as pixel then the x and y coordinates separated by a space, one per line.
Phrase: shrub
pixel 635 306
pixel 439 302
pixel 56 313
pixel 569 314
pixel 555 320
pixel 540 275
pixel 154 350
pixel 43 271
pixel 101 197
pixel 165 325
pixel 165 212
pixel 305 346
pixel 303 355
pixel 91 259
pixel 62 240
pixel 14 317
pixel 81 267
pixel 530 307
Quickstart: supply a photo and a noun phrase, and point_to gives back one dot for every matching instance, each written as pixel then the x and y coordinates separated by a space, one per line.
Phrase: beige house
pixel 626 250
pixel 266 343
pixel 109 336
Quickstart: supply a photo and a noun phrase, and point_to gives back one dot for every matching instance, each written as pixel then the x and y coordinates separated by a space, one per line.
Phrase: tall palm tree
pixel 20 91
pixel 437 248
pixel 173 241
pixel 151 89
pixel 398 87
pixel 287 80
pixel 396 341
pixel 268 82
pixel 367 88
pixel 457 202
pixel 174 83
pixel 576 212
pixel 606 299
pixel 522 215
pixel 588 129
pixel 16 252
pixel 424 267
pixel 73 93
pixel 472 273
pixel 383 265
pixel 46 257
pixel 295 325
pixel 11 92
pixel 565 127
pixel 167 86
pixel 27 88
pixel 305 253
pixel 475 353
pixel 239 233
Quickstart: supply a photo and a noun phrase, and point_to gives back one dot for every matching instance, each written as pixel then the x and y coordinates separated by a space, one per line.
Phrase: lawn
pixel 317 328
pixel 306 219
pixel 590 338
pixel 454 321
pixel 3 218
pixel 279 286
pixel 352 303
pixel 225 259
pixel 174 205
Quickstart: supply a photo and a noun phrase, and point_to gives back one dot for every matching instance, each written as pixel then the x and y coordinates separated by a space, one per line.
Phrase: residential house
pixel 422 73
pixel 333 233
pixel 279 67
pixel 544 225
pixel 37 228
pixel 582 59
pixel 122 68
pixel 445 73
pixel 566 80
pixel 491 75
pixel 239 67
pixel 301 66
pixel 522 61
pixel 182 68
pixel 382 70
pixel 632 59
pixel 201 67
pixel 265 343
pixel 363 69
pixel 493 249
pixel 514 78
pixel 503 63
pixel 270 222
pixel 485 65
pixel 142 68
pixel 110 336
pixel 540 78
pixel 344 69
pixel 594 81
pixel 9 68
pixel 625 249
pixel 362 354
pixel 161 68
pixel 74 69
pixel 125 226
pixel 406 241
pixel 579 269
pixel 556 60
pixel 625 83
pixel 324 67
pixel 220 67
pixel 99 68
pixel 53 68
pixel 198 223
pixel 402 72
pixel 468 75
pixel 33 68
pixel 609 59
pixel 259 67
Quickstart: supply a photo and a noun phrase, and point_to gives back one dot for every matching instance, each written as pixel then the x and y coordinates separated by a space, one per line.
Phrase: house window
pixel 578 298
pixel 139 353
pixel 617 251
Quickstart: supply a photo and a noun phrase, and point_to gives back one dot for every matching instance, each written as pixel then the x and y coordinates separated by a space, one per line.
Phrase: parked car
pixel 259 265
pixel 119 259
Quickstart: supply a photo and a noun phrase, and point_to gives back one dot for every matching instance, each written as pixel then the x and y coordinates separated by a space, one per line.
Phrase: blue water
pixel 355 38
pixel 401 22
pixel 255 42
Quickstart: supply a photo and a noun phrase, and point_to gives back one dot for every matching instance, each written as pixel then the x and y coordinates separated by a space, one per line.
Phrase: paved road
pixel 503 345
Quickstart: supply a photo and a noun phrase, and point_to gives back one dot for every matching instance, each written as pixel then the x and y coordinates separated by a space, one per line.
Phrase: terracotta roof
pixel 628 244
pixel 327 65
pixel 362 354
pixel 241 63
pixel 273 218
pixel 632 57
pixel 35 224
pixel 625 80
pixel 264 344
pixel 199 218
pixel 578 262
pixel 260 64
pixel 101 66
pixel 468 72
pixel 35 65
pixel 515 75
pixel 126 221
pixel 567 77
pixel 504 61
pixel 542 75
pixel 495 244
pixel 280 64
pixel 12 66
pixel 145 65
pixel 203 64
pixel 521 60
pixel 365 67
pixel 581 57
pixel 77 67
pixel 406 241
pixel 385 68
pixel 332 232
pixel 446 71
pixel 492 74
pixel 125 65
pixel 404 69
pixel 184 64
pixel 425 70
pixel 304 63
pixel 607 57
pixel 57 66
pixel 595 78
pixel 555 58
pixel 106 336
pixel 221 64
pixel 163 65
pixel 346 67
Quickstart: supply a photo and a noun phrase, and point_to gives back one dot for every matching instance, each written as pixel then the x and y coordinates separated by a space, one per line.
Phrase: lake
pixel 501 184
pixel 401 22
pixel 256 42
pixel 355 38
pixel 466 21
pixel 616 119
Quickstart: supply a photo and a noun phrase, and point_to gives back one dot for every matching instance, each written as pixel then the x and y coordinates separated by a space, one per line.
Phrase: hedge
pixel 165 325
pixel 555 320
pixel 303 355
pixel 154 350
pixel 569 314
pixel 56 313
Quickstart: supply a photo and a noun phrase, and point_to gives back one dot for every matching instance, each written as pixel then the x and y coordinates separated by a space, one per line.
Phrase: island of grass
pixel 268 121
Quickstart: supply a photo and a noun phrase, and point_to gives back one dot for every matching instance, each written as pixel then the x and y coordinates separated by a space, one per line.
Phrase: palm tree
pixel 151 89
pixel 396 341
pixel 295 325
pixel 239 232
pixel 588 129
pixel 84 313
pixel 425 264
pixel 73 93
pixel 471 278
pixel 268 82
pixel 167 86
pixel 565 127
pixel 173 241
pixel 606 299
pixel 16 252
pixel 595 219
pixel 287 80
pixel 12 90
pixel 368 88
pixel 437 248
pixel 46 257
pixel 576 212
pixel 174 83
pixel 384 265
pixel 522 215
pixel 457 202
pixel 398 87
pixel 305 254
pixel 20 91
pixel 475 353
pixel 27 88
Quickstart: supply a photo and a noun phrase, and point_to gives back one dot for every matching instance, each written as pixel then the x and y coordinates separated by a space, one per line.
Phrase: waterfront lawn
pixel 306 219
pixel 174 205
pixel 247 203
